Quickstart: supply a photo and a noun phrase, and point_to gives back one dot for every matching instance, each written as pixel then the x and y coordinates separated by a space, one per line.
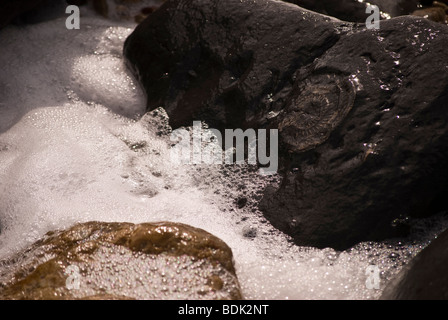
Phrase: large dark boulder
pixel 362 114
pixel 386 161
pixel 425 277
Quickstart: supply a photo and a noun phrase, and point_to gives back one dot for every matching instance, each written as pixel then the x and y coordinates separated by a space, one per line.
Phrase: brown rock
pixel 101 7
pixel 438 12
pixel 110 261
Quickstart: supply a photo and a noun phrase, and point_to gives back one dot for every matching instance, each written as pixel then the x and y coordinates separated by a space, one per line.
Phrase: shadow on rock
pixel 425 277
pixel 361 113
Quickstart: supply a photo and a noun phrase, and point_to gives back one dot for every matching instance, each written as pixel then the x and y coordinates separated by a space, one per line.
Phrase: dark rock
pixel 355 11
pixel 135 10
pixel 30 11
pixel 224 68
pixel 241 202
pixel 250 232
pixel 438 12
pixel 47 10
pixel 361 114
pixel 77 2
pixel 385 161
pixel 101 7
pixel 10 9
pixel 425 277
pixel 111 261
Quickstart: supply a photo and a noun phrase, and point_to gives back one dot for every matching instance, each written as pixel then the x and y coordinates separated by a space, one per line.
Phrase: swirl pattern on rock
pixel 351 165
pixel 322 103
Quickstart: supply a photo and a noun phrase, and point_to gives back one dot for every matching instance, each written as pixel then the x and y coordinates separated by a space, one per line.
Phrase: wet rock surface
pixel 132 10
pixel 384 162
pixel 437 12
pixel 361 113
pixel 224 68
pixel 355 11
pixel 109 261
pixel 425 277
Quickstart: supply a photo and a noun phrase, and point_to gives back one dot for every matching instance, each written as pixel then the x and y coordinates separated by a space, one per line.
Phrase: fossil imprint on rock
pixel 322 102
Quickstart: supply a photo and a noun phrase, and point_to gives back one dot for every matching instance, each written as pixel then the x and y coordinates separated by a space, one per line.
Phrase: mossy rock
pixel 107 261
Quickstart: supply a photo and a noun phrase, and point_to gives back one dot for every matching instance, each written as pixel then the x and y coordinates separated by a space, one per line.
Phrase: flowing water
pixel 75 146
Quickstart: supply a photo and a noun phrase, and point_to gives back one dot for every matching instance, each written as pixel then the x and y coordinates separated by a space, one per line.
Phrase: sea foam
pixel 76 146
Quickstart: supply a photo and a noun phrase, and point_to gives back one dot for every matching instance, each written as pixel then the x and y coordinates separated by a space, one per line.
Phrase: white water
pixel 73 148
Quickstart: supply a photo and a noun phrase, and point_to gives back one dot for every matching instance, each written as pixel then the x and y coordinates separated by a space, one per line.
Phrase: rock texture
pixel 136 10
pixel 426 276
pixel 225 67
pixel 362 114
pixel 385 160
pixel 123 261
pixel 437 12
pixel 355 11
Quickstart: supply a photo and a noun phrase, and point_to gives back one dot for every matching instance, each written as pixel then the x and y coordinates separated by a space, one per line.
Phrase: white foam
pixel 73 148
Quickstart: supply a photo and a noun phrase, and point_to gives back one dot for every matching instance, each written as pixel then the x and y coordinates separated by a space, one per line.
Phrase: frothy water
pixel 74 147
